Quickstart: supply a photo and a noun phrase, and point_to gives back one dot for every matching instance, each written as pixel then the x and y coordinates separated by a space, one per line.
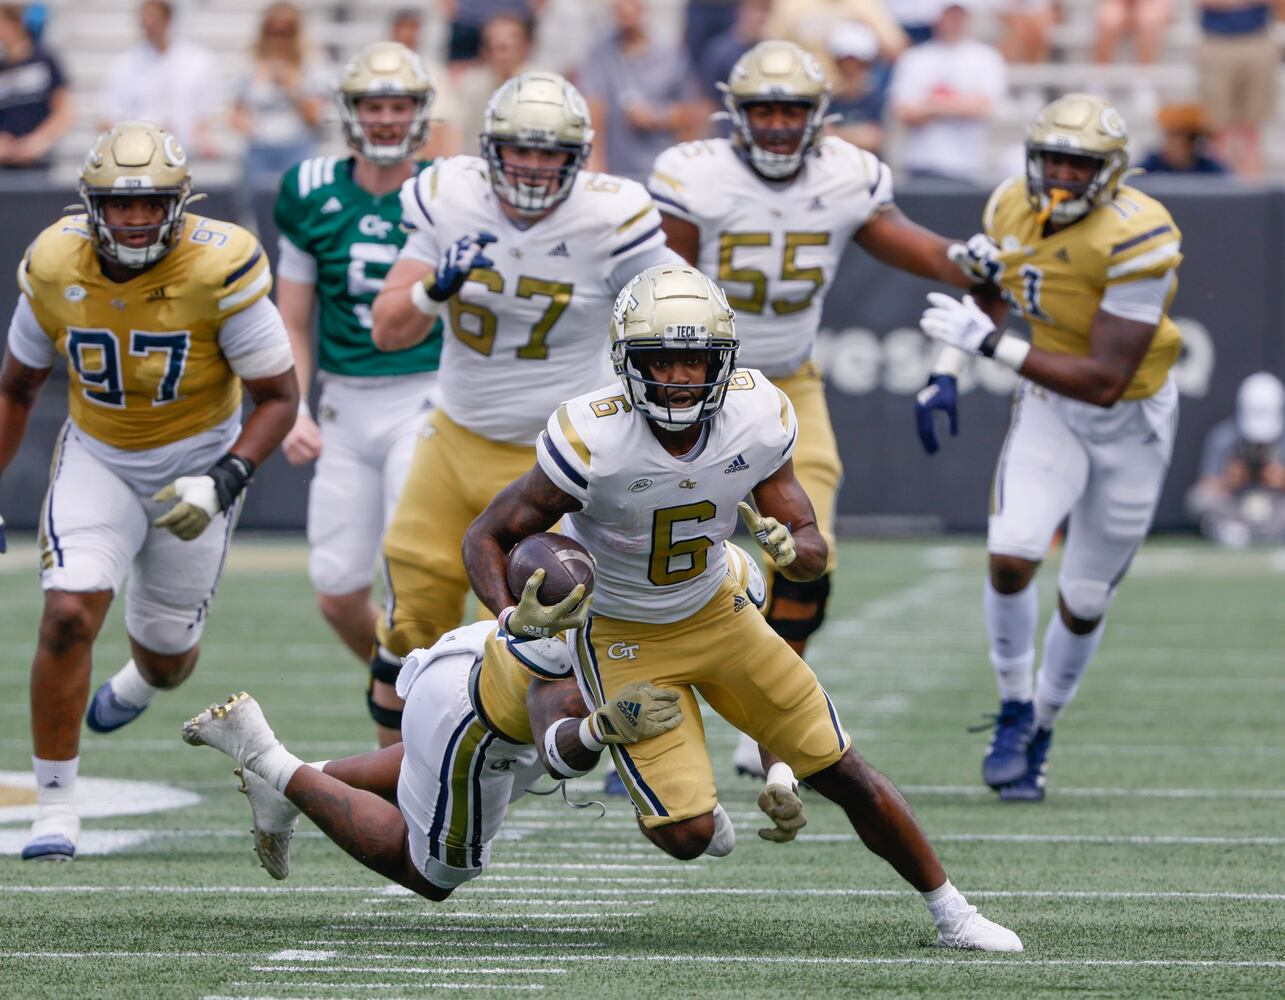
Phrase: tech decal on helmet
pixel 1076 125
pixel 135 159
pixel 672 307
pixel 385 69
pixel 536 111
pixel 776 71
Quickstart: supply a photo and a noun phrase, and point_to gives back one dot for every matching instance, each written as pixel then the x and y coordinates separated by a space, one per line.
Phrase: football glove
pixel 782 805
pixel 959 323
pixel 202 498
pixel 637 712
pixel 940 395
pixel 529 619
pixel 773 536
pixel 460 258
pixel 978 259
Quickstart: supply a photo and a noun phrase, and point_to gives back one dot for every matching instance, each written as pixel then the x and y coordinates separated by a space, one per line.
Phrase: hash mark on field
pixel 1142 793
pixel 437 970
pixel 299 955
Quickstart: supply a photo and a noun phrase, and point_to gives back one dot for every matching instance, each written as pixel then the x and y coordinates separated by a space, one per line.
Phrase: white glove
pixel 529 619
pixel 773 537
pixel 198 504
pixel 958 323
pixel 978 259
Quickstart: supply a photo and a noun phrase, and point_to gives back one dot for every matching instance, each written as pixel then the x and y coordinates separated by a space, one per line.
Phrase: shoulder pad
pixel 1007 194
pixel 1140 238
pixel 235 268
pixel 48 257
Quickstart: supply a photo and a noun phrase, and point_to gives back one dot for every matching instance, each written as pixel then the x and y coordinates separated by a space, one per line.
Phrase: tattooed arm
pixel 526 506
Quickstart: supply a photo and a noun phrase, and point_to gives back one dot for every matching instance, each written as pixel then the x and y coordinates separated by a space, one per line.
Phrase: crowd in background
pixel 911 72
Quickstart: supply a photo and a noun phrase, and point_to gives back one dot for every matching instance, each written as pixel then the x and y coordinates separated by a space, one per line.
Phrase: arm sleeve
pixel 255 342
pixel 563 456
pixel 28 341
pixel 294 264
pixel 1142 301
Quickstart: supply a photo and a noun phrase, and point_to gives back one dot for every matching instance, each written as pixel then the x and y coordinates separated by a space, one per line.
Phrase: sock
pixel 276 766
pixel 945 903
pixel 129 686
pixel 1010 622
pixel 724 839
pixel 1066 657
pixel 55 783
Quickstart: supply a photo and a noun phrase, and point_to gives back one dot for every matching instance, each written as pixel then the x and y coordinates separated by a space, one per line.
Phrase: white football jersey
pixel 655 524
pixel 526 334
pixel 773 246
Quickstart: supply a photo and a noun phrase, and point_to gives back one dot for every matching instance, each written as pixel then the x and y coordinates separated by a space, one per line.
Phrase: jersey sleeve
pixel 870 176
pixel 242 277
pixel 294 263
pixel 28 342
pixel 563 455
pixel 417 218
pixel 290 210
pixel 668 187
pixel 636 221
pixel 1148 247
pixel 255 342
pixel 781 426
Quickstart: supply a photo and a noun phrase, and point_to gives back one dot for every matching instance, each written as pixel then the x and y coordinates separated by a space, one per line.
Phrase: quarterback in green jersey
pixel 339 236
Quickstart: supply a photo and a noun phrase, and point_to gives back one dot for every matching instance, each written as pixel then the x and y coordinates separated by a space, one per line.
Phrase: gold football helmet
pixel 1076 125
pixel 536 111
pixel 385 69
pixel 776 71
pixel 135 159
pixel 673 307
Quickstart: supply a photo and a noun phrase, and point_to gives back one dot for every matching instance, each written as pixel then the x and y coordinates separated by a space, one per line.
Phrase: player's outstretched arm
pixel 682 237
pixel 781 498
pixel 528 505
pixel 896 241
pixel 19 386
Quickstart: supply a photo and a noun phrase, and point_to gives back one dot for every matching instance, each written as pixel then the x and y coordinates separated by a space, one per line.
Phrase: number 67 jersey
pixel 656 524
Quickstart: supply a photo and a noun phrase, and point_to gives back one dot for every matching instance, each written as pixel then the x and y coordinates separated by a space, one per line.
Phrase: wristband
pixel 420 300
pixel 588 738
pixel 780 773
pixel 554 758
pixel 304 409
pixel 1008 350
pixel 231 474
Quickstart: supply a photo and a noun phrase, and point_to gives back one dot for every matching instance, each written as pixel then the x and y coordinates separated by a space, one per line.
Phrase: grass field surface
pixel 1155 867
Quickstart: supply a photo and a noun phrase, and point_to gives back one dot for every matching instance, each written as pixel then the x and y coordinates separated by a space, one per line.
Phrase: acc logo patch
pixel 74 293
pixel 638 485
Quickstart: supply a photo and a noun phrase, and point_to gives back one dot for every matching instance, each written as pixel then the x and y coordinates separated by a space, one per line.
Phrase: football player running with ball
pixel 522 253
pixel 648 473
pixel 162 317
pixel 340 233
pixel 769 213
pixel 1092 265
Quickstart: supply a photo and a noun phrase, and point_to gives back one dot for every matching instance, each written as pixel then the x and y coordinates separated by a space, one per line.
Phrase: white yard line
pixel 1071 838
pixel 431 915
pixel 437 970
pixel 1094 793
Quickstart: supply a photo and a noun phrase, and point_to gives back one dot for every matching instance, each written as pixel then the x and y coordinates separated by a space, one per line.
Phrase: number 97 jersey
pixel 656 524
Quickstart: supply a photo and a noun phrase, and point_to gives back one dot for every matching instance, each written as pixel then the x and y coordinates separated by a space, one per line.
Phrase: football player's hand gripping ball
pixel 529 619
pixel 637 712
pixel 460 258
pixel 940 395
pixel 773 536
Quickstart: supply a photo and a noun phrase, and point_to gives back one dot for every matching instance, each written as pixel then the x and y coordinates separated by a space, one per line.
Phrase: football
pixel 564 560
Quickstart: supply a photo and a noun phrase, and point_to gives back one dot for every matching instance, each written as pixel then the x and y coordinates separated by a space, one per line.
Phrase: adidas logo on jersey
pixel 816 205
pixel 331 206
pixel 560 250
pixel 739 603
pixel 738 464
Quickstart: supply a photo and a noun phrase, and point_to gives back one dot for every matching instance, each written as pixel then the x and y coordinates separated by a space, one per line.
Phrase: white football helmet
pixel 385 69
pixel 672 307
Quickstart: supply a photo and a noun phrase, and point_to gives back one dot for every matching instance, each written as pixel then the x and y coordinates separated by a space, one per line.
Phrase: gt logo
pixel 373 225
pixel 687 484
pixel 502 765
pixel 622 650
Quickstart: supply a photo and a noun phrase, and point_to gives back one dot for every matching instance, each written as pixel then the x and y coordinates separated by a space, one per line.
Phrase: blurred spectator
pixel 704 21
pixel 1145 19
pixel 944 92
pixel 1237 64
pixel 280 102
pixel 810 23
pixel 860 90
pixel 1184 130
pixel 35 99
pixel 749 28
pixel 173 83
pixel 406 27
pixel 467 18
pixel 506 49
pixel 1240 495
pixel 642 95
pixel 1025 28
pixel 916 18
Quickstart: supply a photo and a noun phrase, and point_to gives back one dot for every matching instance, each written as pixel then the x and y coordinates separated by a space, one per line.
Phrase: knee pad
pixel 814 592
pixel 385 667
pixel 1088 600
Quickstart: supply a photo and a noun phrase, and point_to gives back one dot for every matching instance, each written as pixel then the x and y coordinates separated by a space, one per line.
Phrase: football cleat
pixel 968 930
pixel 275 819
pixel 237 727
pixel 746 759
pixel 1030 786
pixel 108 712
pixel 53 837
pixel 613 784
pixel 1005 759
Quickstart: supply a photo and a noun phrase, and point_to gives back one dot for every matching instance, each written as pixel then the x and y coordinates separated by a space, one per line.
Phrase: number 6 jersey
pixel 656 524
pixel 531 331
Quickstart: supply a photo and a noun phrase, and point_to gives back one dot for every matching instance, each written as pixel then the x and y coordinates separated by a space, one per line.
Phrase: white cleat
pixel 968 930
pixel 275 819
pixel 54 836
pixel 237 727
pixel 746 758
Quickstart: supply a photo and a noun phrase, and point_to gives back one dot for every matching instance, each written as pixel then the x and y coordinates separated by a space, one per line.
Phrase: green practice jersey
pixel 354 237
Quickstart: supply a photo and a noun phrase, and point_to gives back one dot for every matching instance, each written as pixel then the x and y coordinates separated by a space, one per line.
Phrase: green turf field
pixel 1156 866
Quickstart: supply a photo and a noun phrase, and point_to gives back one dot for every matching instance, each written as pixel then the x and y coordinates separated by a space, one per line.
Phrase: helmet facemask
pixel 532 191
pixel 752 143
pixel 108 239
pixel 651 396
pixel 1064 202
pixel 384 153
